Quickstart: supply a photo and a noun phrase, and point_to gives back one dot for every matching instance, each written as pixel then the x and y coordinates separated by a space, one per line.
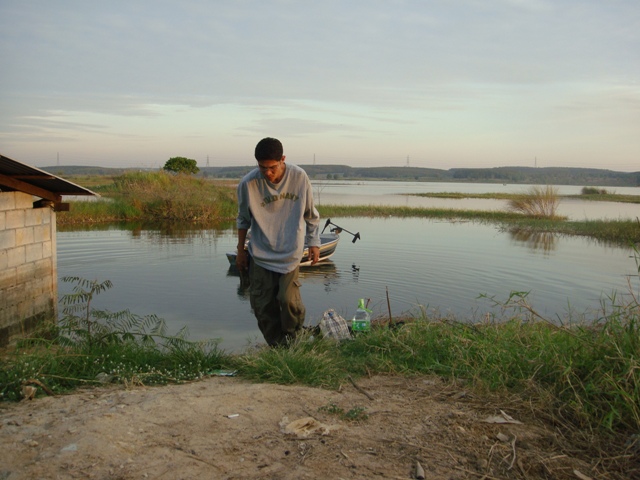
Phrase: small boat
pixel 328 245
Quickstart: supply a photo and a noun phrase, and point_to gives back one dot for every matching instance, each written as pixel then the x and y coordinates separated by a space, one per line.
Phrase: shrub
pixel 157 196
pixel 540 202
pixel 593 191
pixel 181 165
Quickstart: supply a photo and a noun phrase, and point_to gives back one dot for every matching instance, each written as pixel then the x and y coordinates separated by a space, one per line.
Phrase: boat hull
pixel 329 243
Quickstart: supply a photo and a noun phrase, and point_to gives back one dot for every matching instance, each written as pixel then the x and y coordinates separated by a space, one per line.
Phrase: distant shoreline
pixel 497 175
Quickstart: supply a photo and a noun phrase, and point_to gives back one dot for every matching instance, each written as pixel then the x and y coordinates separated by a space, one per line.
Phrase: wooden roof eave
pixel 25 187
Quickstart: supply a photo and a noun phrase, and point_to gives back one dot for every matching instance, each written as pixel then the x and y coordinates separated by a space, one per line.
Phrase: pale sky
pixel 432 83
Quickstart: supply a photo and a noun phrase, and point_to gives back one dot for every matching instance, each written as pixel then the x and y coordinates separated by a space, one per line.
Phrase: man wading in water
pixel 275 201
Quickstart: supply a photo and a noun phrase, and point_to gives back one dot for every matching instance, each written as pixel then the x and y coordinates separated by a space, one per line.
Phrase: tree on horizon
pixel 181 165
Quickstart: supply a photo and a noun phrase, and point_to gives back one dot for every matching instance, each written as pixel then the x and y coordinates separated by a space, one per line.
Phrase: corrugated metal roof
pixel 17 176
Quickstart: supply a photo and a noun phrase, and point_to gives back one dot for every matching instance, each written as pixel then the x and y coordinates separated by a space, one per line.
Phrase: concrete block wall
pixel 28 276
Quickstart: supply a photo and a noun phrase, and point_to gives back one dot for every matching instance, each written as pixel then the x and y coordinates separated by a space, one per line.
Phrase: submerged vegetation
pixel 587 193
pixel 584 376
pixel 621 232
pixel 163 197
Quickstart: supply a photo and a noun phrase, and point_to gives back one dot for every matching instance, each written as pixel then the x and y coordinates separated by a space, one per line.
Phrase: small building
pixel 29 199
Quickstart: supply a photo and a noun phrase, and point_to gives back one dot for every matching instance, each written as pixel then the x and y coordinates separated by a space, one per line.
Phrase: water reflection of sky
pixel 423 265
pixel 396 194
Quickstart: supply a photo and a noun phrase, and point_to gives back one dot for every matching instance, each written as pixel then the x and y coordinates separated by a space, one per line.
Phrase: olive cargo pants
pixel 276 303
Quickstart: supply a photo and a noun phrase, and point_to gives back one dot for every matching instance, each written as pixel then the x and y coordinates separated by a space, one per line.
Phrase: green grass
pixel 582 375
pixel 607 197
pixel 591 194
pixel 155 196
pixel 410 212
pixel 621 232
pixel 588 376
pixel 92 347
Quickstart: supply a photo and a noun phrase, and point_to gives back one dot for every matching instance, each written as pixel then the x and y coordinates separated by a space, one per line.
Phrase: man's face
pixel 273 170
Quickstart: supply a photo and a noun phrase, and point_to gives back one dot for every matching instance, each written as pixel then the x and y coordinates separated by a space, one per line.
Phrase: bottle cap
pixel 361 305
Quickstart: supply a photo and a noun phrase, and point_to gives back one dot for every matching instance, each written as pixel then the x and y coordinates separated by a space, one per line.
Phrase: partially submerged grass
pixel 153 197
pixel 593 194
pixel 411 212
pixel 539 202
pixel 606 197
pixel 621 232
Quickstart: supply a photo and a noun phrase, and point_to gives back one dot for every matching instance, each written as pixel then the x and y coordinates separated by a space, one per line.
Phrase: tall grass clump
pixel 157 196
pixel 539 202
pixel 305 361
pixel 94 347
pixel 166 196
pixel 584 375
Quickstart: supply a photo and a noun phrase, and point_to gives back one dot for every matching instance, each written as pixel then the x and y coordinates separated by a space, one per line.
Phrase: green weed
pixel 355 414
pixel 156 196
pixel 91 347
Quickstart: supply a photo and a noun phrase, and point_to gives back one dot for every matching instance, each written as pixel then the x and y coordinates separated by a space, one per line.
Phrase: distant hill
pixel 67 170
pixel 526 175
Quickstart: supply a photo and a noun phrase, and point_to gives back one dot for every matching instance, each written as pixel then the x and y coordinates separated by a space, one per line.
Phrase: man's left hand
pixel 314 255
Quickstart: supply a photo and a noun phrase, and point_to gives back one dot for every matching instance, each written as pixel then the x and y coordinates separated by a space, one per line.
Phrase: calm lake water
pixel 183 275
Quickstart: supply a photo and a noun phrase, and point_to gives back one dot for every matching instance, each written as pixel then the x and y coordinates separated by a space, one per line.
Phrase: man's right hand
pixel 242 260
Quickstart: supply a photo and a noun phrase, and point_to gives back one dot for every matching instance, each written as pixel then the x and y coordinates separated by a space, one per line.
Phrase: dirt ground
pixel 228 428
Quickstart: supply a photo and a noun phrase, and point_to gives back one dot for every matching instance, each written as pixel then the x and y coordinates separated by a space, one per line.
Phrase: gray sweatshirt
pixel 281 218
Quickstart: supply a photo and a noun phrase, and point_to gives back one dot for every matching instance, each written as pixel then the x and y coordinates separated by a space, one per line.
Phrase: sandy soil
pixel 228 428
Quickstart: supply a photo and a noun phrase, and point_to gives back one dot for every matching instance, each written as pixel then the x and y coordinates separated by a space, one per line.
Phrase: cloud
pixel 365 70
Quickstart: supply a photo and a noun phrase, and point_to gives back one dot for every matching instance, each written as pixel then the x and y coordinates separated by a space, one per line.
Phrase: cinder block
pixel 12 296
pixel 14 219
pixel 24 236
pixel 25 309
pixel 44 267
pixel 8 315
pixel 27 272
pixel 7 239
pixel 47 249
pixel 4 260
pixel 8 279
pixel 33 252
pixel 24 201
pixel 7 201
pixel 3 216
pixel 42 233
pixel 33 217
pixel 16 256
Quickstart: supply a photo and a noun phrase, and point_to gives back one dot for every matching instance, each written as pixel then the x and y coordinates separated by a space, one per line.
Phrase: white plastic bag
pixel 334 326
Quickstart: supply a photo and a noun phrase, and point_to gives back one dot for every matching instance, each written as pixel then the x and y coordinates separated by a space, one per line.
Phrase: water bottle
pixel 361 321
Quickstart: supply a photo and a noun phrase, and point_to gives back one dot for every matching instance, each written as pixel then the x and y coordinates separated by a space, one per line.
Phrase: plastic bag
pixel 334 326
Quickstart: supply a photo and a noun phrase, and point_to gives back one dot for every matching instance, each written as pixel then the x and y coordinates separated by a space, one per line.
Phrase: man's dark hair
pixel 269 149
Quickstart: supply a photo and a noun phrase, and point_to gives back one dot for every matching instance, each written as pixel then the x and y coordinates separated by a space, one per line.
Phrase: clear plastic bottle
pixel 361 321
